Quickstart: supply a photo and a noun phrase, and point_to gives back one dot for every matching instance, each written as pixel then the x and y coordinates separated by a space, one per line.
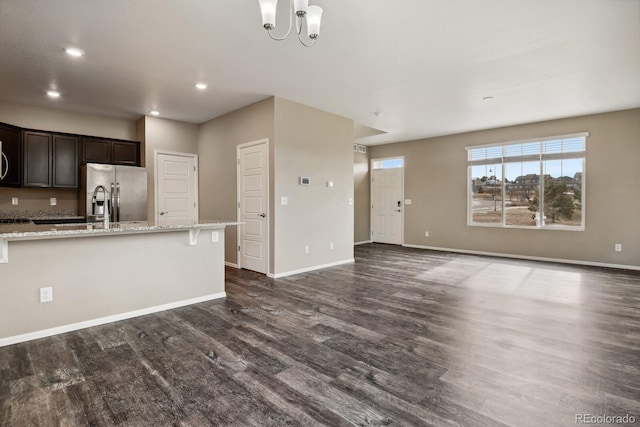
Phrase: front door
pixel 177 189
pixel 386 205
pixel 253 196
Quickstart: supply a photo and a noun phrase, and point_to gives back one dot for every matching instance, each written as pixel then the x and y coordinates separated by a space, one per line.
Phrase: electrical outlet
pixel 215 236
pixel 618 247
pixel 306 249
pixel 14 201
pixel 331 245
pixel 426 234
pixel 53 201
pixel 46 294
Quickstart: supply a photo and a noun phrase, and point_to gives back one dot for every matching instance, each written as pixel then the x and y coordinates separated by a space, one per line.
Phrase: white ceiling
pixel 424 64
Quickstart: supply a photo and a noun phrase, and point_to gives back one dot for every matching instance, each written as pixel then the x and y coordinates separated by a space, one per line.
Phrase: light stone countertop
pixel 30 231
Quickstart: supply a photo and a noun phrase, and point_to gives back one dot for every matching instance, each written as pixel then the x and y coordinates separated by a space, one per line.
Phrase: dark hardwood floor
pixel 401 337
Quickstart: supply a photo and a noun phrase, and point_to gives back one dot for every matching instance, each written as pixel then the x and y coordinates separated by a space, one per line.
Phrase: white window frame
pixel 373 162
pixel 540 158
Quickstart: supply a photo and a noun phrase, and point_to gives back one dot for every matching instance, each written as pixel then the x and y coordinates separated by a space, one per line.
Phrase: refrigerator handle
pixel 112 212
pixel 117 202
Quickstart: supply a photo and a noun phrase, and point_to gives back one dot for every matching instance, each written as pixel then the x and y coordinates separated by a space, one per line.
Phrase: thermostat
pixel 305 180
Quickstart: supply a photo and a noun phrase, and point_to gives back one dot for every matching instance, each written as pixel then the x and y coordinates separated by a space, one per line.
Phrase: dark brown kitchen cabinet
pixel 96 150
pixel 99 150
pixel 37 153
pixel 11 160
pixel 125 153
pixel 65 161
pixel 50 160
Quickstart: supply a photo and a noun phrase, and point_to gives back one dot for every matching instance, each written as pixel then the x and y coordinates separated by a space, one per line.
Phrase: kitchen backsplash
pixel 36 202
pixel 31 214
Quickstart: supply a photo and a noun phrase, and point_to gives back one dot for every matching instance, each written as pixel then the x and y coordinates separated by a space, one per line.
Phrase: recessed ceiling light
pixel 201 86
pixel 74 51
pixel 154 112
pixel 488 98
pixel 53 93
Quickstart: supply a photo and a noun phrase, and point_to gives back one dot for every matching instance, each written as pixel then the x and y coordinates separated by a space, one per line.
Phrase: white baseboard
pixel 230 264
pixel 108 319
pixel 364 242
pixel 532 258
pixel 307 269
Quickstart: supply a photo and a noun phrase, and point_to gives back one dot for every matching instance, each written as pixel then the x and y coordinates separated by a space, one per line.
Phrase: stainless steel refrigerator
pixel 120 189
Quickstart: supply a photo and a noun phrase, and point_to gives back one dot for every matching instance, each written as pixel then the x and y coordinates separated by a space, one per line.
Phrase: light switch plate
pixel 350 201
pixel 53 201
pixel 284 200
pixel 46 294
pixel 14 201
pixel 407 201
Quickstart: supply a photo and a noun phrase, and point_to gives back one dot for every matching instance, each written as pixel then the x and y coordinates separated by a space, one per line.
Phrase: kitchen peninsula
pixel 101 274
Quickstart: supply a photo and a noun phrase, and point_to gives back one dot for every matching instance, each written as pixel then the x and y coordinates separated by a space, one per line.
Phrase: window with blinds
pixel 533 184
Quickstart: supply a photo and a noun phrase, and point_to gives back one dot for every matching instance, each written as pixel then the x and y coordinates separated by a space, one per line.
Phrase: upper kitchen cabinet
pixel 125 153
pixel 11 158
pixel 98 150
pixel 65 161
pixel 38 151
pixel 50 160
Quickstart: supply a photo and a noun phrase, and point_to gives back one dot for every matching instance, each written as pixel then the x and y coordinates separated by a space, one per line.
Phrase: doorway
pixel 387 189
pixel 176 187
pixel 253 205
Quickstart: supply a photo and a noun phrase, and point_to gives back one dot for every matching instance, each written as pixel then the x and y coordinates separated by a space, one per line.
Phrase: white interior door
pixel 253 196
pixel 176 188
pixel 386 205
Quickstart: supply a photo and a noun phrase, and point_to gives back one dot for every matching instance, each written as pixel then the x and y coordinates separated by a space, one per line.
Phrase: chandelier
pixel 311 14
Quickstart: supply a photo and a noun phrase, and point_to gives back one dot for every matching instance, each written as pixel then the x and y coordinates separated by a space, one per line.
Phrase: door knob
pixel 262 215
pixel 163 213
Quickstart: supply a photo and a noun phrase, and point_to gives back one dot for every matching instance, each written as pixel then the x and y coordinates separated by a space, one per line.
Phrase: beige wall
pixel 37 199
pixel 436 181
pixel 362 194
pixel 49 119
pixel 166 135
pixel 310 142
pixel 217 142
pixel 302 141
pixel 95 277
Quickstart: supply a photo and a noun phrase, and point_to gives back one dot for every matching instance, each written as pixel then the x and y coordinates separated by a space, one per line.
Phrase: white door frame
pixel 156 152
pixel 238 195
pixel 401 196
